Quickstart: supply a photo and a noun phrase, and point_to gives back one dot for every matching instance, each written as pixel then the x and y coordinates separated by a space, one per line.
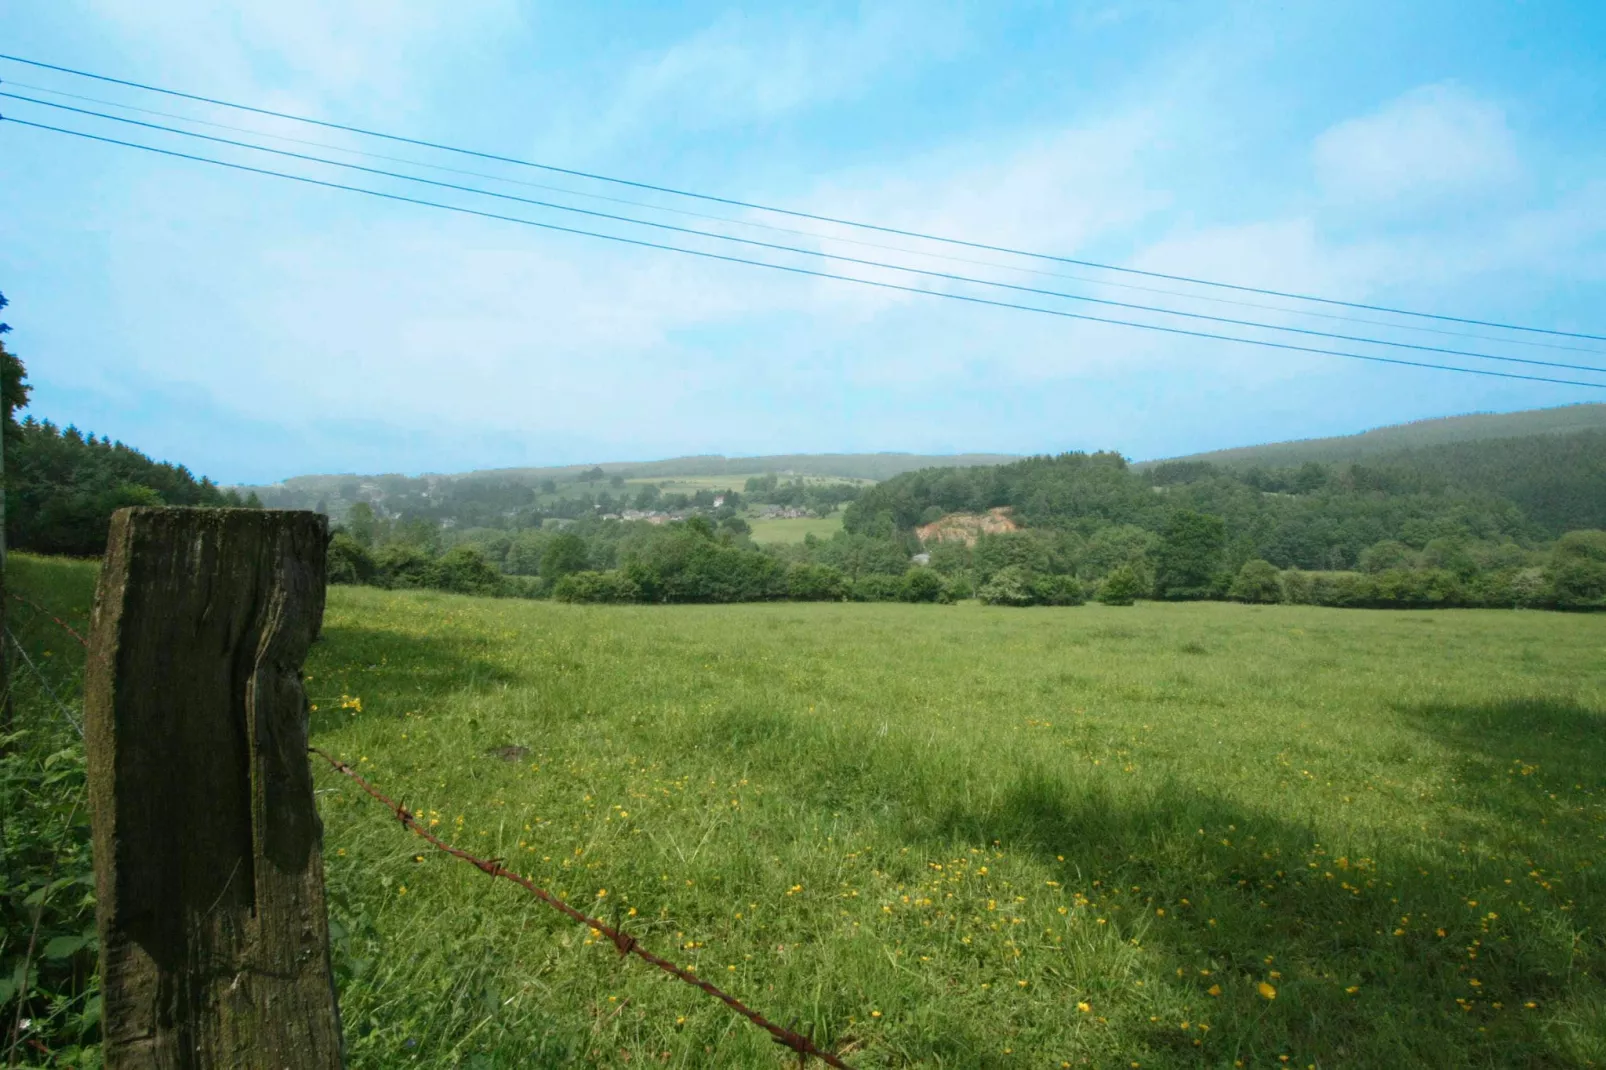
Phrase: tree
pixel 1121 587
pixel 1189 560
pixel 349 561
pixel 815 583
pixel 566 553
pixel 464 569
pixel 1386 555
pixel 1256 582
pixel 1576 574
pixel 922 585
pixel 362 524
pixel 1058 591
pixel 1010 586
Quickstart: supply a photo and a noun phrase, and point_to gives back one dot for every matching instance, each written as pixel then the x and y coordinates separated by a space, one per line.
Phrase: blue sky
pixel 1442 156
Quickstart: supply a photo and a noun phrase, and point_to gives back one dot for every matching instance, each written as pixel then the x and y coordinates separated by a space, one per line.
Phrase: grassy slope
pixel 1368 444
pixel 939 831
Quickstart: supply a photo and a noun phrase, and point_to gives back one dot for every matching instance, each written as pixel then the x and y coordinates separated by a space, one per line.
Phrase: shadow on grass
pixel 394 672
pixel 1383 959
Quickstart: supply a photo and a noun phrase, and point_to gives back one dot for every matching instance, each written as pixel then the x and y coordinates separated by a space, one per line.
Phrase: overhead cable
pixel 795 270
pixel 794 213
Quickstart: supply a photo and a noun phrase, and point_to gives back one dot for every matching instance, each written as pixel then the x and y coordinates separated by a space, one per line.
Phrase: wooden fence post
pixel 213 932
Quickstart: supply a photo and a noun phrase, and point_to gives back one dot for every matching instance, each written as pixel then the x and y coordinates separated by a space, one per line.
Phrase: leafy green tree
pixel 363 524
pixel 1576 574
pixel 403 564
pixel 1257 581
pixel 596 587
pixel 1387 554
pixel 1009 586
pixel 815 583
pixel 349 561
pixel 565 553
pixel 1122 587
pixel 922 585
pixel 463 569
pixel 1058 591
pixel 1189 561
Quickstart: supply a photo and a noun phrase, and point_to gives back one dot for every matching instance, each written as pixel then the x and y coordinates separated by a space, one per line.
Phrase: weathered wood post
pixel 213 933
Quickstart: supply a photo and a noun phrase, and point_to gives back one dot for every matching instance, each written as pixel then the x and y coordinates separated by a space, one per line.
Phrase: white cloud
pixel 1434 140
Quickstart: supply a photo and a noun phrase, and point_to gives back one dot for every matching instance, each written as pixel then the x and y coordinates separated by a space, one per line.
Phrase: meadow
pixel 794 529
pixel 959 836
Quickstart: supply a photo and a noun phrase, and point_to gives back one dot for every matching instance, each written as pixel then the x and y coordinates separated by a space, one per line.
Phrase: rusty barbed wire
pixel 624 943
pixel 37 608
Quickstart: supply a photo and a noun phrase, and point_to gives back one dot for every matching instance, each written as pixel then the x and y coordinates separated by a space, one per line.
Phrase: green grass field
pixel 785 529
pixel 1165 836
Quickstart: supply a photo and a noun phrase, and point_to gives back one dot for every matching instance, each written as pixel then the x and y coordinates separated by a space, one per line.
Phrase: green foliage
pixel 1576 574
pixel 1257 581
pixel 876 587
pixel 349 561
pixel 1122 587
pixel 47 906
pixel 1009 586
pixel 1189 561
pixel 1387 554
pixel 62 487
pixel 1057 590
pixel 402 564
pixel 922 585
pixel 596 587
pixel 464 570
pixel 815 583
pixel 564 553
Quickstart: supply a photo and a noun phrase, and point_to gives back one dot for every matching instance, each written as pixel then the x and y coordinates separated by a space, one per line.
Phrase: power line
pixel 1337 317
pixel 775 247
pixel 792 269
pixel 596 177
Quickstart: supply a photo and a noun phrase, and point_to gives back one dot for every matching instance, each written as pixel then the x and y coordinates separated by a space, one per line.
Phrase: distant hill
pixel 1550 463
pixel 873 466
pixel 1479 427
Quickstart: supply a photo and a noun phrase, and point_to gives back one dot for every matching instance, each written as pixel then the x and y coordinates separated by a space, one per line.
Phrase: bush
pixel 464 569
pixel 922 585
pixel 1575 578
pixel 815 583
pixel 1010 586
pixel 348 562
pixel 402 564
pixel 1058 591
pixel 597 587
pixel 1121 587
pixel 876 588
pixel 1256 582
pixel 959 588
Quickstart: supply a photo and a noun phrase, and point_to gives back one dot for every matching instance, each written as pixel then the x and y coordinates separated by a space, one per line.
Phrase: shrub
pixel 1121 587
pixel 402 564
pixel 876 588
pixel 348 561
pixel 1011 586
pixel 1256 582
pixel 464 569
pixel 959 588
pixel 921 585
pixel 596 587
pixel 815 583
pixel 1058 591
pixel 1575 578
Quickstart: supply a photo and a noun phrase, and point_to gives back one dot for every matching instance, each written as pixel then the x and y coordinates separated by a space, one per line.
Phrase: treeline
pixel 62 485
